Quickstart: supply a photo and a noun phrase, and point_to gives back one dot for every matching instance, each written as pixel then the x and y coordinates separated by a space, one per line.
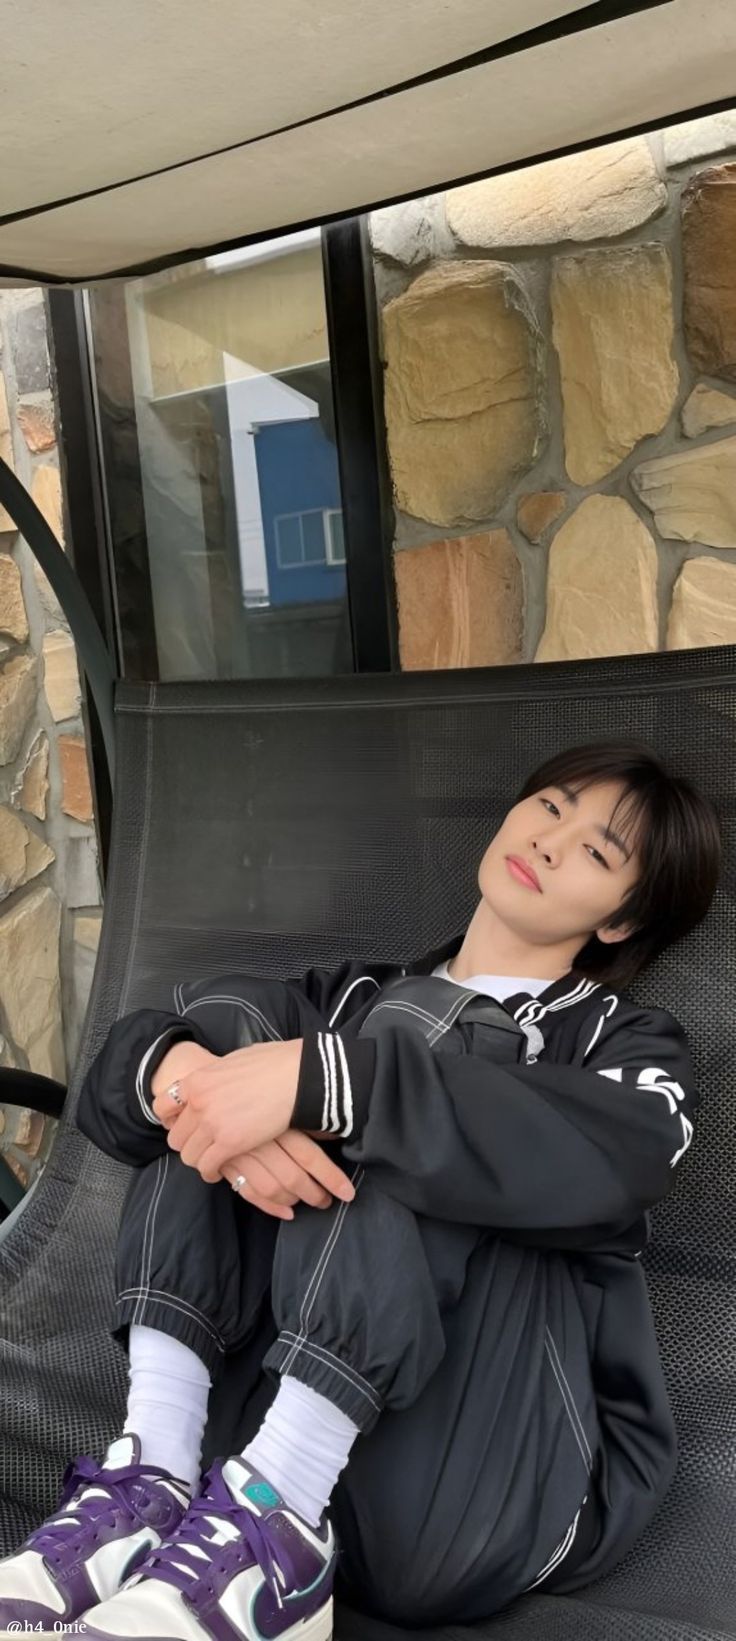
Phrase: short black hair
pixel 678 839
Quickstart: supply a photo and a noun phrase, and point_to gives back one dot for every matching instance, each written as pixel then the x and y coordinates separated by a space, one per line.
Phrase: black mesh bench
pixel 276 824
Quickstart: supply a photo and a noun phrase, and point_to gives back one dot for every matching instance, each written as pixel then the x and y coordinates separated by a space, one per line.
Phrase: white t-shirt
pixel 499 986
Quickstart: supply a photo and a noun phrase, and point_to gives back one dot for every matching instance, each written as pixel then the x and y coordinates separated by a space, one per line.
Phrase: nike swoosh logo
pixel 139 1554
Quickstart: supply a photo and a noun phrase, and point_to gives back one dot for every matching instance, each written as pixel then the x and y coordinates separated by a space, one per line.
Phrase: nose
pixel 546 848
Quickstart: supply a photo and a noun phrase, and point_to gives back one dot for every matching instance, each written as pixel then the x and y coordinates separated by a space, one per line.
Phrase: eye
pixel 550 806
pixel 598 856
pixel 548 803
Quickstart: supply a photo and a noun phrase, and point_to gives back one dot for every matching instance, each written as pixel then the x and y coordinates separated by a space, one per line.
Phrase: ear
pixel 612 937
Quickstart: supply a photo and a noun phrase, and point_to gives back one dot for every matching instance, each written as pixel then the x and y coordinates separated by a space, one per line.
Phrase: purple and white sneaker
pixel 241 1567
pixel 109 1518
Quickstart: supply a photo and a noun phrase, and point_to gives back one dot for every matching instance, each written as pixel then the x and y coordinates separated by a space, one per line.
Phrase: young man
pixel 468 1379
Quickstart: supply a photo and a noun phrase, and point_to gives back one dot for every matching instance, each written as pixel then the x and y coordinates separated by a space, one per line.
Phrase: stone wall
pixel 560 400
pixel 49 885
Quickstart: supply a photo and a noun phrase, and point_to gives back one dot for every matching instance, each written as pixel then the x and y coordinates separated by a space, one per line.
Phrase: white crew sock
pixel 167 1402
pixel 301 1447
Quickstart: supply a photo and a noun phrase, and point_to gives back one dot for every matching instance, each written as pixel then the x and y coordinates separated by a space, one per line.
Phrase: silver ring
pixel 239 1182
pixel 174 1094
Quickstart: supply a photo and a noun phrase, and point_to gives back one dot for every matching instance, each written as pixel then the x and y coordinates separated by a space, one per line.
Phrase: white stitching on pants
pixel 173 1304
pixel 573 1426
pixel 164 1293
pixel 409 1008
pixel 308 1351
pixel 356 1179
pixel 316 1277
pixel 150 1215
pixel 240 1003
pixel 315 1282
pixel 572 1398
pixel 152 1231
pixel 558 1555
pixel 330 1356
pixel 325 1255
pixel 442 1024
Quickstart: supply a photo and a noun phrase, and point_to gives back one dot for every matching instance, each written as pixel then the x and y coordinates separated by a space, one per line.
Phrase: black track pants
pixel 387 1314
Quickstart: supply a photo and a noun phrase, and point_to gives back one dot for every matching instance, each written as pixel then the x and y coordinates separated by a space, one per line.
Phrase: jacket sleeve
pixel 115 1103
pixel 564 1155
pixel 338 993
pixel 114 1109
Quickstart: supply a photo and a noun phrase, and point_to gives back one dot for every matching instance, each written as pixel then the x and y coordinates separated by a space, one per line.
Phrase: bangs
pixel 631 814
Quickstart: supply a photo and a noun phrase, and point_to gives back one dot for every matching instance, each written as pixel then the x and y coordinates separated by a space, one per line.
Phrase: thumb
pixel 166 1108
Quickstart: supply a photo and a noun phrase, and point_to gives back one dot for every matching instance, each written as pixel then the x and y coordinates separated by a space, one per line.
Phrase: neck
pixel 490 947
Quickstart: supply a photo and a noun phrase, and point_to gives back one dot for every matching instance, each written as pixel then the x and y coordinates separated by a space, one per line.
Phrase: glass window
pixel 335 537
pixel 218 434
pixel 289 551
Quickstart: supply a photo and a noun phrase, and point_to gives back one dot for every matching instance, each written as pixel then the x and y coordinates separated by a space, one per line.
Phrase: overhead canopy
pixel 136 135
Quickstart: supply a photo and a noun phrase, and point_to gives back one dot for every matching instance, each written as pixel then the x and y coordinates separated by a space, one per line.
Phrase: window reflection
pixel 232 402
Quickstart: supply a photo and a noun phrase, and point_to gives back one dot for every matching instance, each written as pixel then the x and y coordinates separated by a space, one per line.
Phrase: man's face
pixel 559 867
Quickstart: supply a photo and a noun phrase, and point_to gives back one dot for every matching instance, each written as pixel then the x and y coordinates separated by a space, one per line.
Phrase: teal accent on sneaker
pixel 134 1561
pixel 261 1493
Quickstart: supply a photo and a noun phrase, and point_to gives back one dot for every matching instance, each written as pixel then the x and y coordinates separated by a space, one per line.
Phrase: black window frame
pixel 84 390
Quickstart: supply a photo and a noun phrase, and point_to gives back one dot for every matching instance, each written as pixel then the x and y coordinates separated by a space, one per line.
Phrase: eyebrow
pixel 603 831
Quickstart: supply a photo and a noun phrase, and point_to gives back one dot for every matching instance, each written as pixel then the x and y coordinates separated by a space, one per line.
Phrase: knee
pixel 410 1593
pixel 394 1562
pixel 242 1009
pixel 264 1012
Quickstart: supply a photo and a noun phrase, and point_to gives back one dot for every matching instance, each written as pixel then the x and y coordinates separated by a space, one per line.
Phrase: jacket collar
pixel 569 990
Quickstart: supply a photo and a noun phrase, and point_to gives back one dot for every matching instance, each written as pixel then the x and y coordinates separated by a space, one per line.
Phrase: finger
pixel 277 1210
pixel 195 1148
pixel 188 1122
pixel 292 1176
pixel 188 1090
pixel 184 1125
pixel 169 1102
pixel 167 1113
pixel 321 1167
pixel 262 1180
pixel 161 1109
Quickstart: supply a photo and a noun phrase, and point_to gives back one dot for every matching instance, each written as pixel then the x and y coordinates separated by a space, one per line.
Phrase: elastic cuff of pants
pixel 332 1378
pixel 155 1313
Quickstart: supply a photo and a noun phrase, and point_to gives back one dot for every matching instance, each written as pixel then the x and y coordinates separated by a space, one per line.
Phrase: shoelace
pixel 55 1534
pixel 217 1504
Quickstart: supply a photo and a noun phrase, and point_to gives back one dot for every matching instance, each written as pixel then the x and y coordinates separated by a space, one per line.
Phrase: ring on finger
pixel 173 1093
pixel 239 1182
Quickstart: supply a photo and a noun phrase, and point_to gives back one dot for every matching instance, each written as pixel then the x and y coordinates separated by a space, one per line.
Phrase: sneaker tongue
pixel 250 1488
pixel 123 1452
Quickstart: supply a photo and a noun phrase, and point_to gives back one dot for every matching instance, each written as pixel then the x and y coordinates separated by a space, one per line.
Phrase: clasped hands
pixel 235 1119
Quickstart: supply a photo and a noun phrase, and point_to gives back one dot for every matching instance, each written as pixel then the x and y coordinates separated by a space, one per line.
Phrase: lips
pixel 523 873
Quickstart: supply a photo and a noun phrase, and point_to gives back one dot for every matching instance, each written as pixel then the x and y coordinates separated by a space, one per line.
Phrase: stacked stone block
pixel 560 391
